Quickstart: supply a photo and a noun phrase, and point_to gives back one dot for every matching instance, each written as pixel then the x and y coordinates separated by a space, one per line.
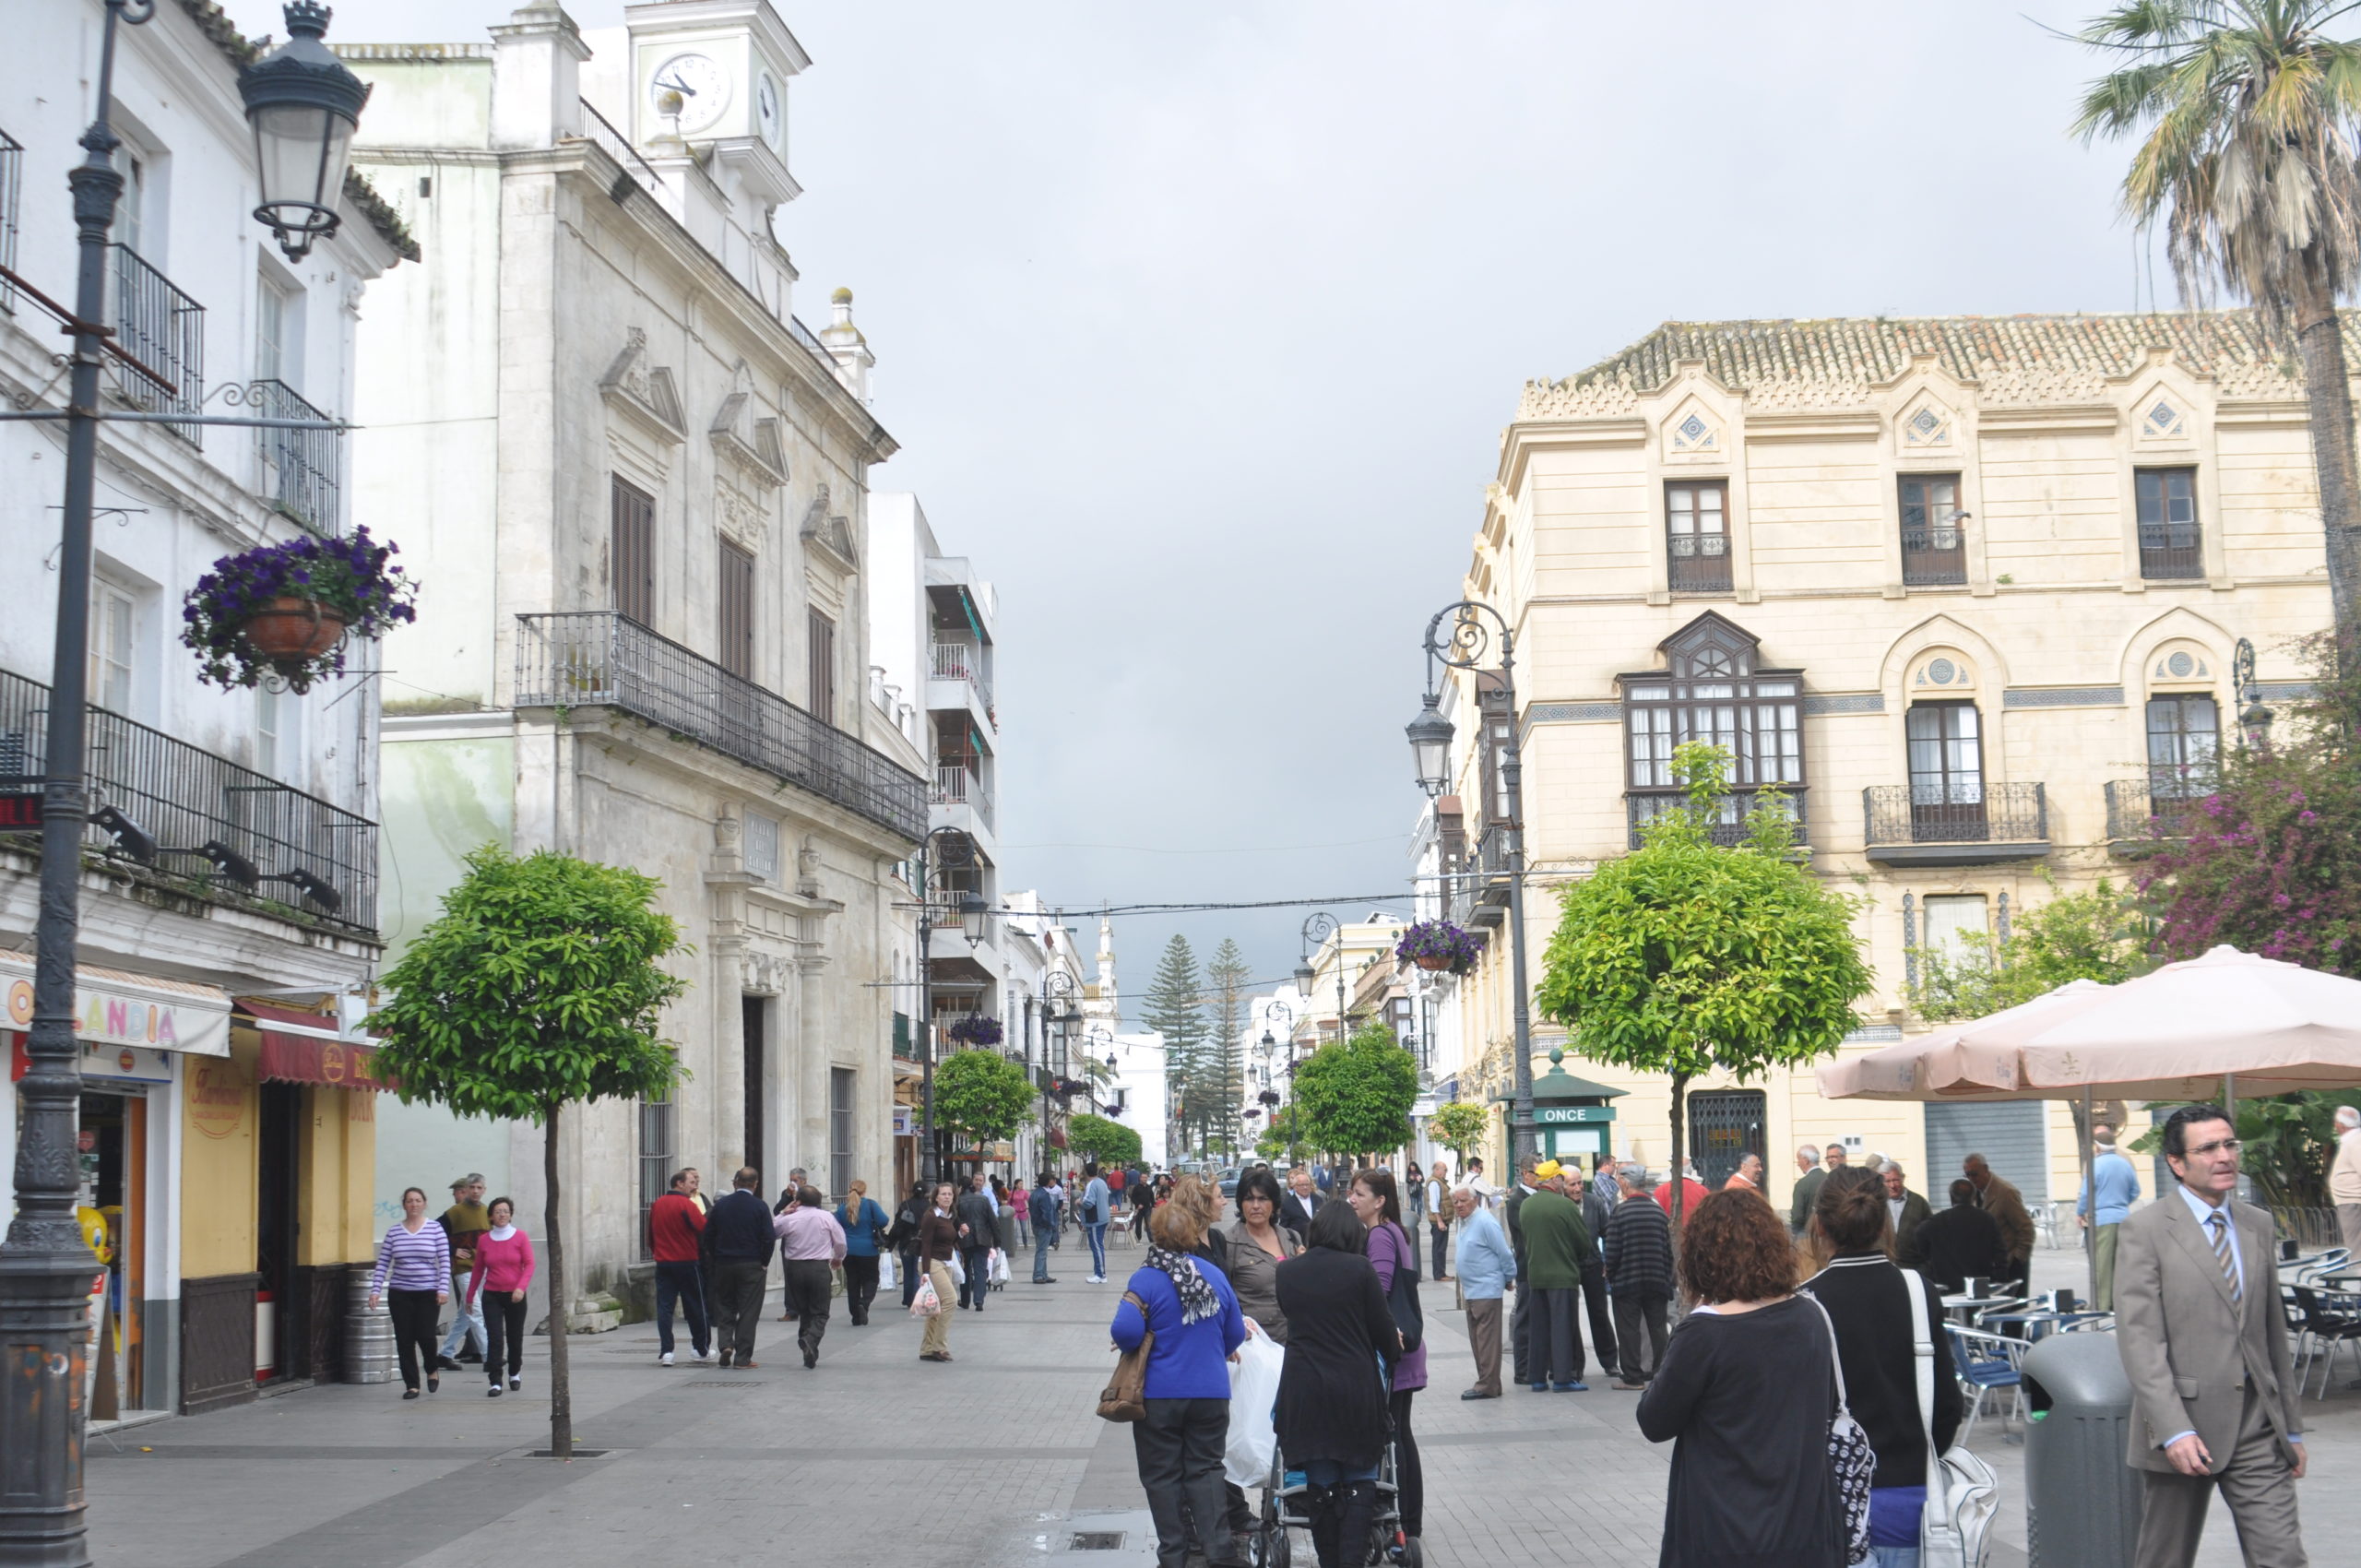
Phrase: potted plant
pixel 1440 945
pixel 286 609
pixel 976 1028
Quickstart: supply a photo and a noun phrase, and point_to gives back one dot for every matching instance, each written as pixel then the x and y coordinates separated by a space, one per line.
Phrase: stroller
pixel 1288 1504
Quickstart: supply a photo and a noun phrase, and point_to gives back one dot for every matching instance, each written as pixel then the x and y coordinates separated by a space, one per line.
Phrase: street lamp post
pixel 957 849
pixel 1474 627
pixel 1315 934
pixel 301 93
pixel 1278 1014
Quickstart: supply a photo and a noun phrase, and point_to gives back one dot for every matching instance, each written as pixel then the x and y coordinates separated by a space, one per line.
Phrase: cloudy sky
pixel 1198 325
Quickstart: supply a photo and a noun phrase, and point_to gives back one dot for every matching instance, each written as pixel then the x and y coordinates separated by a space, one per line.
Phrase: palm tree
pixel 2247 113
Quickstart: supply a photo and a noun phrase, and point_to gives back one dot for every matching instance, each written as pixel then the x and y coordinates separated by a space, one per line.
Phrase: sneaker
pixel 1577 1386
pixel 701 1356
pixel 1538 1387
pixel 665 1360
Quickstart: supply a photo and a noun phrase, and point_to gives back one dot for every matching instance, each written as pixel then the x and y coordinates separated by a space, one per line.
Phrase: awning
pixel 304 1048
pixel 119 1008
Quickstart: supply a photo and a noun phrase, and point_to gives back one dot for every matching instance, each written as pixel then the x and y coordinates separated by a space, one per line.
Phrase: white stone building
pixel 224 1176
pixel 638 487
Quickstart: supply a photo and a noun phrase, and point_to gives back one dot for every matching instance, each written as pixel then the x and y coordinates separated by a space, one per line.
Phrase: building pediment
pixel 829 533
pixel 646 394
pixel 751 443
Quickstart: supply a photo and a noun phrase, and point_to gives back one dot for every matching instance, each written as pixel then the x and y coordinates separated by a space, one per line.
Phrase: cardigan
pixel 1188 1360
pixel 1486 1265
pixel 1390 1251
pixel 1638 1250
pixel 1254 1276
pixel 1555 1242
pixel 860 1227
pixel 1868 1300
pixel 502 1267
pixel 1749 1397
pixel 412 1260
pixel 937 1236
pixel 1333 1393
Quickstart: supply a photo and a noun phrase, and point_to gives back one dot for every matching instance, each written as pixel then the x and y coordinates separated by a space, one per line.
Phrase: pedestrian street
pixel 995 1459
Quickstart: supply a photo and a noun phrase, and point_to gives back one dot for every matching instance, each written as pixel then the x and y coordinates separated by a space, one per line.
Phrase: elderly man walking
pixel 1555 1242
pixel 1808 1183
pixel 1486 1269
pixel 1639 1271
pixel 465 1221
pixel 2344 1177
pixel 810 1243
pixel 2106 1202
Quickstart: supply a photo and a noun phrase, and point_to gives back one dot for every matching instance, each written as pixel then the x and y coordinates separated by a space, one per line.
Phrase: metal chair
pixel 1987 1362
pixel 2325 1322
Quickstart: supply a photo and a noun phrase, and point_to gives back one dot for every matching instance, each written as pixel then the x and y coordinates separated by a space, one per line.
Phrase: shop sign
pixel 1570 1115
pixel 217 1098
pixel 115 1008
pixel 292 1059
pixel 120 1063
pixel 905 1120
pixel 18 812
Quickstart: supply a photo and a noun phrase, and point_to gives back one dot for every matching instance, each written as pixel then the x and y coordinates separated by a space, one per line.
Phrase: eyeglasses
pixel 2219 1145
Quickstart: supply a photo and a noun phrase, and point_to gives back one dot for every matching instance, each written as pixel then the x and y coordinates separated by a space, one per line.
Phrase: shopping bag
pixel 958 1270
pixel 925 1303
pixel 996 1268
pixel 1253 1393
pixel 886 1279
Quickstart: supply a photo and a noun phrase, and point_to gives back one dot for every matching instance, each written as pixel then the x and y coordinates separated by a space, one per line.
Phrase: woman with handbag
pixel 863 1224
pixel 904 1239
pixel 1187 1317
pixel 1747 1393
pixel 938 1244
pixel 1868 1300
pixel 1396 1257
pixel 1335 1388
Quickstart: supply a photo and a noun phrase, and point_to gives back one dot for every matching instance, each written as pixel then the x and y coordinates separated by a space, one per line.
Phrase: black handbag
pixel 1402 1301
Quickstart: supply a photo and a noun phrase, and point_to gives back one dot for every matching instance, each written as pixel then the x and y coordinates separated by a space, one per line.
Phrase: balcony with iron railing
pixel 184 820
pixel 599 657
pixel 2145 814
pixel 2170 552
pixel 1934 556
pixel 637 170
pixel 301 470
pixel 1698 562
pixel 964 663
pixel 1479 888
pixel 1728 828
pixel 956 785
pixel 160 331
pixel 1955 824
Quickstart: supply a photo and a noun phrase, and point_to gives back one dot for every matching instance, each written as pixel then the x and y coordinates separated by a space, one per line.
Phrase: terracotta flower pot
pixel 1432 961
pixel 291 629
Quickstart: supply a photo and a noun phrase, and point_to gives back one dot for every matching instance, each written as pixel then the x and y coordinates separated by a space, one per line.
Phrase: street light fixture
pixel 1430 735
pixel 973 914
pixel 303 106
pixel 1317 931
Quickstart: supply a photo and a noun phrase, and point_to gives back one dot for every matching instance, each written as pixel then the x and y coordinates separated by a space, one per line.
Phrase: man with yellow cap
pixel 1556 1243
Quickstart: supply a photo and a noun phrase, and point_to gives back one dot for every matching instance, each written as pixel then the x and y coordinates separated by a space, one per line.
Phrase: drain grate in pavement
pixel 1097 1540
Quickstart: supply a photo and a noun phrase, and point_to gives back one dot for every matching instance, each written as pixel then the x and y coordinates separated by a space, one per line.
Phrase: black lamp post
pixel 1473 626
pixel 45 1267
pixel 1315 934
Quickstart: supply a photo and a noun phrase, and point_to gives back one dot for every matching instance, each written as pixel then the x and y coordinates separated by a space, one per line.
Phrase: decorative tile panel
pixel 1693 433
pixel 2163 419
pixel 2063 696
pixel 1575 713
pixel 1926 427
pixel 1818 703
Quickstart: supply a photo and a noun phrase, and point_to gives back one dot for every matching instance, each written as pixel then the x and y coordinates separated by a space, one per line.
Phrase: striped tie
pixel 2222 1254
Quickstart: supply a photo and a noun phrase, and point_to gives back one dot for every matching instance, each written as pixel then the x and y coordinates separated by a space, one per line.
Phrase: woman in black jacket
pixel 904 1239
pixel 1333 1419
pixel 1868 1300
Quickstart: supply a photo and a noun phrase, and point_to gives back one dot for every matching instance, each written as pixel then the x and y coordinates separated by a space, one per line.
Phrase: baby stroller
pixel 1289 1502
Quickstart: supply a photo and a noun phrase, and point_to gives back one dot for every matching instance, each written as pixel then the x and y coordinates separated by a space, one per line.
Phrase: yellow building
pixel 1967 589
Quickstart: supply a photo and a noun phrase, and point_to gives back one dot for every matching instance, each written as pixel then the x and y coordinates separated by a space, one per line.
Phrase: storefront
pixel 143 1038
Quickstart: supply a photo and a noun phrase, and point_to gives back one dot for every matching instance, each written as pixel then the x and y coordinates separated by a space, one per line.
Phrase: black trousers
pixel 738 1305
pixel 808 1284
pixel 1602 1319
pixel 504 1330
pixel 861 1287
pixel 681 1285
pixel 975 1260
pixel 413 1312
pixel 1520 1320
pixel 1178 1447
pixel 1634 1312
pixel 1410 1479
pixel 1554 1339
pixel 1441 1234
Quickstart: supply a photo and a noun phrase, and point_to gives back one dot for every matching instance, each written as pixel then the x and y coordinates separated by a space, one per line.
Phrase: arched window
pixel 1711 689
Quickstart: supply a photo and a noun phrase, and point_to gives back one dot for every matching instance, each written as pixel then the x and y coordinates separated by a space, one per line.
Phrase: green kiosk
pixel 1571 1116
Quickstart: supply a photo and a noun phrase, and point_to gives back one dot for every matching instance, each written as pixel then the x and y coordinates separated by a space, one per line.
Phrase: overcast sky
pixel 1198 325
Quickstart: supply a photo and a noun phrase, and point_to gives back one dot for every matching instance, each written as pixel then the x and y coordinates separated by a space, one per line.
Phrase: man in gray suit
pixel 2199 1327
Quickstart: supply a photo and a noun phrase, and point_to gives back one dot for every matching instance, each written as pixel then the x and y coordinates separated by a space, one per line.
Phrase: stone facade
pixel 1964 588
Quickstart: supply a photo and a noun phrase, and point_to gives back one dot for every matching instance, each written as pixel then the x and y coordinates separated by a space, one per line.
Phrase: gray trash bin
pixel 2081 1499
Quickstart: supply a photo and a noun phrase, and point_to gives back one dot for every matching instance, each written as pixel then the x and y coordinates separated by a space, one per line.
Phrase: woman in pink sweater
pixel 504 1268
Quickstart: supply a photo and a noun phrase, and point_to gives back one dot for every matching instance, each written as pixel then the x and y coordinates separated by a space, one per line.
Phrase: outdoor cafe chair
pixel 1988 1363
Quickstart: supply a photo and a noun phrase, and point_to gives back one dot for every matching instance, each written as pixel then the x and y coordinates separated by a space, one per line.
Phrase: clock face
pixel 689 91
pixel 766 116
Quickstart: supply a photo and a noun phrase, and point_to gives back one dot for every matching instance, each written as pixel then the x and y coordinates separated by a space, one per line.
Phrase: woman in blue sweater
pixel 864 1226
pixel 1187 1304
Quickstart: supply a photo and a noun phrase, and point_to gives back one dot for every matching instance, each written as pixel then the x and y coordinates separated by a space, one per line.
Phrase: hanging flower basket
pixel 1439 945
pixel 285 610
pixel 977 1029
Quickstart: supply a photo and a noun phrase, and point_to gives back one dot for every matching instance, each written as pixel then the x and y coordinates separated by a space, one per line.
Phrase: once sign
pixel 1570 1115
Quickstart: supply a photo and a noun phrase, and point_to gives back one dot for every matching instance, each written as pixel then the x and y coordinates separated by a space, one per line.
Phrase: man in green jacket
pixel 1556 1242
pixel 1807 1188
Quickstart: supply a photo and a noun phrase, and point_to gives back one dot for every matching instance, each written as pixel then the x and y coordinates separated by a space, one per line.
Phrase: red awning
pixel 304 1048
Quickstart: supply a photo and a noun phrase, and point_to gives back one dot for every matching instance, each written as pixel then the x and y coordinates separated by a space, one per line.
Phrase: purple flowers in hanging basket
pixel 977 1029
pixel 1439 945
pixel 287 609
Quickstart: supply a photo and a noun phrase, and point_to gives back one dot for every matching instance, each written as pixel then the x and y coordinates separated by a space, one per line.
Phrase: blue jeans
pixel 1097 1234
pixel 1043 1237
pixel 1895 1556
pixel 465 1325
pixel 679 1284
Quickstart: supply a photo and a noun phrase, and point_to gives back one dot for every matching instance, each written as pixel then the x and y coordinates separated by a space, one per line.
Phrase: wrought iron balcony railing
pixel 1934 556
pixel 954 786
pixel 1729 829
pixel 2002 818
pixel 163 331
pixel 205 825
pixel 2170 549
pixel 301 469
pixel 2153 810
pixel 599 657
pixel 1698 562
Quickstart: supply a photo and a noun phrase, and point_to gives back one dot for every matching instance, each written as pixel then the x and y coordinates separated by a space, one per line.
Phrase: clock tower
pixel 712 74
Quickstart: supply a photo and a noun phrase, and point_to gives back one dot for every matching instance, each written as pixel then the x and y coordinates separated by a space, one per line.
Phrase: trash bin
pixel 2082 1499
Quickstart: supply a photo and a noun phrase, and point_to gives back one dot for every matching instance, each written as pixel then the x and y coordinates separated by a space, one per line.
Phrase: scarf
pixel 1197 1298
pixel 501 1232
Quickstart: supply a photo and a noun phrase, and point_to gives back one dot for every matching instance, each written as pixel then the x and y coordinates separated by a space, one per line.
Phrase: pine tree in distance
pixel 1227 976
pixel 1174 1008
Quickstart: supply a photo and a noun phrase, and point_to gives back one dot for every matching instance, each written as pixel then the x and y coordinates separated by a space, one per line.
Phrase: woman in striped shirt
pixel 414 1275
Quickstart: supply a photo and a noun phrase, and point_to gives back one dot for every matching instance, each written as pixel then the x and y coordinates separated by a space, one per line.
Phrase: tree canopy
pixel 1097 1137
pixel 1354 1096
pixel 2100 934
pixel 1460 1126
pixel 981 1094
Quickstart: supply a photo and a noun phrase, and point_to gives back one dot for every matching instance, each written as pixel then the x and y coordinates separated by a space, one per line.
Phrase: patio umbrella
pixel 1958 1062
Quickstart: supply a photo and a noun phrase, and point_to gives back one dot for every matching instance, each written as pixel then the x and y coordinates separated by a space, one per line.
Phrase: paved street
pixel 874 1459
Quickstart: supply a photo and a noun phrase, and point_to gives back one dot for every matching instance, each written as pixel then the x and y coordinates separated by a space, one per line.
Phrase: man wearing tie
pixel 2199 1327
pixel 1302 1201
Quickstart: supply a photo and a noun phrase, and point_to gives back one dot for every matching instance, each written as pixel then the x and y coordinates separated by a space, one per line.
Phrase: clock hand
pixel 683 88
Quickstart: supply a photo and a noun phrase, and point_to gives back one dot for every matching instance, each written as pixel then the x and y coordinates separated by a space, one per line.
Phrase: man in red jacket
pixel 674 1226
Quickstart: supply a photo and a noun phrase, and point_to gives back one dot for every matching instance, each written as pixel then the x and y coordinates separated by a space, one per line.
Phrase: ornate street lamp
pixel 973 914
pixel 303 106
pixel 1430 735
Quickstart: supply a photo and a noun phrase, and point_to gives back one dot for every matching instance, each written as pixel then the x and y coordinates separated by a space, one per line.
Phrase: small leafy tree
pixel 2100 934
pixel 1687 958
pixel 1283 1133
pixel 1460 1126
pixel 1096 1138
pixel 1355 1096
pixel 539 986
pixel 981 1094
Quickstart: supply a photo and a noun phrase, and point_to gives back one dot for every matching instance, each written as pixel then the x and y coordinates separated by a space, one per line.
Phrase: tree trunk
pixel 2319 343
pixel 1679 1149
pixel 560 1390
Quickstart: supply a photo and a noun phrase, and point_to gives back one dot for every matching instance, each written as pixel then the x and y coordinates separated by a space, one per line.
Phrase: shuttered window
pixel 632 551
pixel 737 606
pixel 823 649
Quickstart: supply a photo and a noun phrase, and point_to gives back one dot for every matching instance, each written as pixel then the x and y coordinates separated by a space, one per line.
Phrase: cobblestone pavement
pixel 877 1458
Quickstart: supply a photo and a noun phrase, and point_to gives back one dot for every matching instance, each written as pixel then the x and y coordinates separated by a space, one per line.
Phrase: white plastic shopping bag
pixel 1253 1393
pixel 958 1270
pixel 925 1303
pixel 886 1279
pixel 996 1268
